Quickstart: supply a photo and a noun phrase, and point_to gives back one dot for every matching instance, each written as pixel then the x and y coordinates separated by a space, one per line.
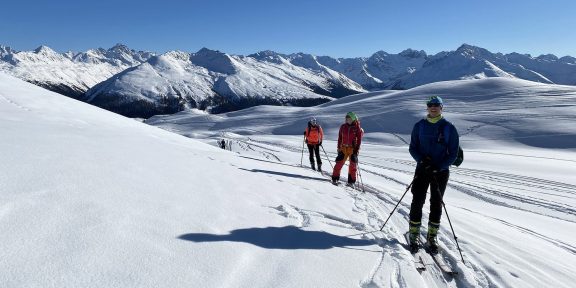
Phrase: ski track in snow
pixel 501 189
pixel 14 103
pixel 374 205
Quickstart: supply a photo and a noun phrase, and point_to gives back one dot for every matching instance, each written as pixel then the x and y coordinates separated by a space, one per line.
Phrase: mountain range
pixel 143 84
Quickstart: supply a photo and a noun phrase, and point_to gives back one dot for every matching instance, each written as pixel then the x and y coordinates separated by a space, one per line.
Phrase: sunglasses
pixel 433 105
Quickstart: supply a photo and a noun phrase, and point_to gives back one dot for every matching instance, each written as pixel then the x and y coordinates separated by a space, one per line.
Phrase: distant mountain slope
pixel 71 74
pixel 505 109
pixel 140 84
pixel 467 62
pixel 215 81
pixel 376 71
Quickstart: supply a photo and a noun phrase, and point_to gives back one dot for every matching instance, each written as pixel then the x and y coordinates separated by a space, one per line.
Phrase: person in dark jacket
pixel 313 137
pixel 434 145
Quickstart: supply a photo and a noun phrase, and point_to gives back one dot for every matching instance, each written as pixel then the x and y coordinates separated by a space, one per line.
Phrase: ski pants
pixel 343 155
pixel 314 149
pixel 437 183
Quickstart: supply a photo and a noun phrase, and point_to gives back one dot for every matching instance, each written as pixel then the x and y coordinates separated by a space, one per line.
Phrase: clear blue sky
pixel 322 27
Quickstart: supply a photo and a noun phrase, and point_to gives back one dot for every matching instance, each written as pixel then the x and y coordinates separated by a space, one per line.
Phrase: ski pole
pixel 360 174
pixel 448 217
pixel 407 188
pixel 327 157
pixel 302 157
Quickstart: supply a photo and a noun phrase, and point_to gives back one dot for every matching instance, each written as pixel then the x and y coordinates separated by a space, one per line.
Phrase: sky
pixel 335 28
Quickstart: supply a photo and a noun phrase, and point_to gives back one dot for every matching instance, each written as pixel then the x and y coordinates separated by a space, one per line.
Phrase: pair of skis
pixel 436 258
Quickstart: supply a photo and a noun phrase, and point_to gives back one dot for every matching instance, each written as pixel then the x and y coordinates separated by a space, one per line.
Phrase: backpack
pixel 443 136
pixel 317 128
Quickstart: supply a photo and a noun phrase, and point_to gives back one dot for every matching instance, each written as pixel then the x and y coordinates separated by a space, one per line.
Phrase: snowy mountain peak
pixel 121 48
pixel 269 56
pixel 547 57
pixel 306 60
pixel 179 55
pixel 265 53
pixel 467 50
pixel 380 54
pixel 126 55
pixel 45 51
pixel 411 53
pixel 119 55
pixel 568 60
pixel 214 60
pixel 5 51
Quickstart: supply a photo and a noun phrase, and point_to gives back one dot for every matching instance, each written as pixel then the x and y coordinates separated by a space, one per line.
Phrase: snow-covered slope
pixel 508 109
pixel 71 74
pixel 164 84
pixel 559 70
pixel 215 81
pixel 511 203
pixel 92 199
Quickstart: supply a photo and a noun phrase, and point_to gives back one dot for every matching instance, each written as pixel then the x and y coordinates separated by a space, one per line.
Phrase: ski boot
pixel 335 180
pixel 313 166
pixel 431 237
pixel 414 232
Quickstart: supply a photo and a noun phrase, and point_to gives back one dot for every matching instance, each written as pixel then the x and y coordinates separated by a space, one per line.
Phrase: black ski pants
pixel 437 183
pixel 314 149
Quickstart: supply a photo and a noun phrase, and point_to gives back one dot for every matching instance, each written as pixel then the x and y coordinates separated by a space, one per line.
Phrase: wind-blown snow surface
pixel 512 202
pixel 91 199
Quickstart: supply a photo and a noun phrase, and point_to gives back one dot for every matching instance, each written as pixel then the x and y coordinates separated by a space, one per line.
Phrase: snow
pixel 79 71
pixel 89 198
pixel 211 75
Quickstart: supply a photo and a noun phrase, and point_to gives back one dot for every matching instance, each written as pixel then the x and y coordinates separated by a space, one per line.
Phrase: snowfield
pixel 89 198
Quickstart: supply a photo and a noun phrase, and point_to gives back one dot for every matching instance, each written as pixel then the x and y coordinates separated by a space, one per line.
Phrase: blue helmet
pixel 435 100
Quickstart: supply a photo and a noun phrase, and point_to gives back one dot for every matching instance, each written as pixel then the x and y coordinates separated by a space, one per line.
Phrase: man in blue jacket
pixel 434 145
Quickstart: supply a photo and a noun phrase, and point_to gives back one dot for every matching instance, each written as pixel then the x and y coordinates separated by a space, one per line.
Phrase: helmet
pixel 313 120
pixel 352 116
pixel 435 100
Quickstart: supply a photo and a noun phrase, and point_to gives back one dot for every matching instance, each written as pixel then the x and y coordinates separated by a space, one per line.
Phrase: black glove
pixel 425 165
pixel 304 133
pixel 354 158
pixel 320 143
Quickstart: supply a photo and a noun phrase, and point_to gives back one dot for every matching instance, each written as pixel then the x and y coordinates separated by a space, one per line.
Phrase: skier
pixel 349 140
pixel 434 145
pixel 222 144
pixel 313 137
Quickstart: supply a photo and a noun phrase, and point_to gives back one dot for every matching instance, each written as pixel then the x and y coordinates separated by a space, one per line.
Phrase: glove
pixel 425 165
pixel 304 133
pixel 355 152
pixel 354 158
pixel 320 143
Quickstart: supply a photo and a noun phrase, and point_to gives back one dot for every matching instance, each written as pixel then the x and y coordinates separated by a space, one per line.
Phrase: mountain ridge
pixel 217 81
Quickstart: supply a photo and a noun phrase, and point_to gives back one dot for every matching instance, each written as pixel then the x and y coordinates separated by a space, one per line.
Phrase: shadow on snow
pixel 288 237
pixel 284 174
